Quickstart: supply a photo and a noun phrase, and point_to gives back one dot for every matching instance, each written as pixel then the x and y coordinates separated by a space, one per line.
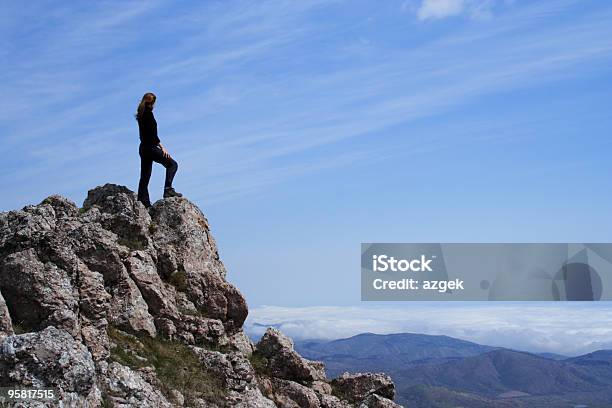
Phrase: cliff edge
pixel 114 305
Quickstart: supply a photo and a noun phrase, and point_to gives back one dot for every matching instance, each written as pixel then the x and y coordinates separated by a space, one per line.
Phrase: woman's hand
pixel 164 151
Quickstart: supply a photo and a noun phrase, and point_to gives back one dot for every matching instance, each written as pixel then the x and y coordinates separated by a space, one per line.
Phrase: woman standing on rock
pixel 151 150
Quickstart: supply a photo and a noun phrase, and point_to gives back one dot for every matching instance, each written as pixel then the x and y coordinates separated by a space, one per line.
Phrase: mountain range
pixel 441 371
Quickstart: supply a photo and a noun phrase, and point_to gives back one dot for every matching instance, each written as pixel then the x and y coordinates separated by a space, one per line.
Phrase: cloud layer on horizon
pixel 569 329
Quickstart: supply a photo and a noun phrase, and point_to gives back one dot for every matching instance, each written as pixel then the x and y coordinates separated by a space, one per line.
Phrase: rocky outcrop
pixel 116 305
pixel 359 386
pixel 281 360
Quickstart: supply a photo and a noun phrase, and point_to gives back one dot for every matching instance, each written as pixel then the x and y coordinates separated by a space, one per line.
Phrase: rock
pixel 6 326
pixel 123 305
pixel 50 358
pixel 177 398
pixel 187 255
pixel 284 362
pixel 127 388
pixel 330 401
pixel 119 211
pixel 20 228
pixel 289 394
pixel 160 296
pixel 321 387
pixel 359 386
pixel 239 341
pixel 376 401
pixel 63 208
pixel 233 368
pixel 251 398
pixel 38 294
pixel 129 311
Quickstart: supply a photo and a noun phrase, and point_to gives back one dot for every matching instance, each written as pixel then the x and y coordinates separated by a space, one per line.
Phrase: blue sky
pixel 305 128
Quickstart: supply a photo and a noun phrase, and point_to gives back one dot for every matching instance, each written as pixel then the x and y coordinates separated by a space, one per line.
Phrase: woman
pixel 151 150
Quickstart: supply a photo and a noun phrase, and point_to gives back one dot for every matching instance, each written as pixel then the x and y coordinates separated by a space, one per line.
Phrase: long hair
pixel 147 100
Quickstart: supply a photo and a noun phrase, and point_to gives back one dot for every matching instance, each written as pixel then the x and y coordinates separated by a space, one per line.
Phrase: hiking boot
pixel 170 192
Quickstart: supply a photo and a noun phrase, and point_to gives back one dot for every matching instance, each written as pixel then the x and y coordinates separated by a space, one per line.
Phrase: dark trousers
pixel 148 155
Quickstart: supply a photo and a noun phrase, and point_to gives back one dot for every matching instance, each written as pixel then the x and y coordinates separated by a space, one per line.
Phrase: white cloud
pixel 435 9
pixel 439 9
pixel 566 329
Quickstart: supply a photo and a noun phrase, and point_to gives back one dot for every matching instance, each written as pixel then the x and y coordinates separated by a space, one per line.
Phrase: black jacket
pixel 147 127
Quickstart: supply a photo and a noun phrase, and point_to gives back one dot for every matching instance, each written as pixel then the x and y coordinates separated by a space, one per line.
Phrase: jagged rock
pixel 6 326
pixel 330 401
pixel 289 394
pixel 160 296
pixel 187 255
pixel 62 207
pixel 201 330
pixel 359 386
pixel 233 368
pixel 50 358
pixel 322 387
pixel 239 341
pixel 111 292
pixel 284 362
pixel 376 401
pixel 250 398
pixel 38 294
pixel 118 210
pixel 129 310
pixel 20 228
pixel 127 388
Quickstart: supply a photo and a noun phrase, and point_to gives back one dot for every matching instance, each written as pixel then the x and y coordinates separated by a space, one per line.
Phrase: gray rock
pixel 239 341
pixel 331 401
pixel 284 362
pixel 6 326
pixel 233 368
pixel 160 296
pixel 19 228
pixel 39 294
pixel 360 385
pixel 129 310
pixel 321 387
pixel 71 276
pixel 120 212
pixel 50 358
pixel 187 255
pixel 63 208
pixel 376 401
pixel 289 394
pixel 127 388
pixel 250 398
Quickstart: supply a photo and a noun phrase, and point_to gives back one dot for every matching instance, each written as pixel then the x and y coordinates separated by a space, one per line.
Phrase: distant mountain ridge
pixel 441 371
pixel 372 350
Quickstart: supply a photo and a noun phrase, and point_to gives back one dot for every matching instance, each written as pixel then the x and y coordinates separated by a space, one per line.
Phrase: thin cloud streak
pixel 331 106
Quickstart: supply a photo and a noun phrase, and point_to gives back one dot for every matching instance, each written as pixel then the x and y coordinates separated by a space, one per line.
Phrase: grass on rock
pixel 176 366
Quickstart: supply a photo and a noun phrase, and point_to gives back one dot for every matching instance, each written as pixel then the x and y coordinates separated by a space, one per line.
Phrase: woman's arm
pixel 151 126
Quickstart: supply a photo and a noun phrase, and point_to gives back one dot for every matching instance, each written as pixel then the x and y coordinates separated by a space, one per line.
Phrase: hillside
pixel 392 351
pixel 440 371
pixel 502 371
pixel 115 305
